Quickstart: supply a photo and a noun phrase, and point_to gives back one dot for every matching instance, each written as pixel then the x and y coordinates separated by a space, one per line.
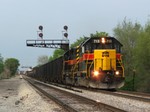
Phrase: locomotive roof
pixel 87 39
pixel 91 38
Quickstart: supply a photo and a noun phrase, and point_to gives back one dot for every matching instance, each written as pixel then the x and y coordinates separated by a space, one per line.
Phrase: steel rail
pixel 82 100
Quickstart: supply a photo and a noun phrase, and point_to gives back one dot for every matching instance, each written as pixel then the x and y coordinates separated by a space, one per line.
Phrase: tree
pixel 42 59
pixel 1 64
pixel 12 65
pixel 82 39
pixel 78 42
pixel 99 34
pixel 1 67
pixel 1 59
pixel 57 53
pixel 128 34
pixel 143 59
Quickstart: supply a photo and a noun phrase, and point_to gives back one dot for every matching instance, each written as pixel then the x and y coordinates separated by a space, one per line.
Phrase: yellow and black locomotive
pixel 96 63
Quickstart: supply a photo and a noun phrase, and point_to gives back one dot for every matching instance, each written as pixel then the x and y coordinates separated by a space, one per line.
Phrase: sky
pixel 20 19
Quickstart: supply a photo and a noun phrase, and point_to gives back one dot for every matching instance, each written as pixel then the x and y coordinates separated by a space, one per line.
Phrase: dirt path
pixel 16 95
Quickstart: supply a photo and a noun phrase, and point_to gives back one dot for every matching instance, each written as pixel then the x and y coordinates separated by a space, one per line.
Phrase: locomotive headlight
pixel 103 40
pixel 117 73
pixel 96 73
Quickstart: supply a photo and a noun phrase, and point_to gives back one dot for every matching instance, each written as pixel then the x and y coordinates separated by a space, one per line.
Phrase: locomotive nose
pixel 105 59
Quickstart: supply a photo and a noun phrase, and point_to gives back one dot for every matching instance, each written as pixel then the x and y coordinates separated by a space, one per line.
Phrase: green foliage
pixel 78 42
pixel 82 39
pixel 1 67
pixel 99 34
pixel 42 60
pixel 143 59
pixel 128 84
pixel 1 59
pixel 136 54
pixel 1 64
pixel 12 64
pixel 127 33
pixel 57 53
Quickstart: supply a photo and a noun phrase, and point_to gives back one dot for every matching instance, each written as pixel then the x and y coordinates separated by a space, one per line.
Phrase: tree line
pixel 136 54
pixel 9 67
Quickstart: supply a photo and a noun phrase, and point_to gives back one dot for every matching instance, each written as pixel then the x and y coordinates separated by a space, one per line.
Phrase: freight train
pixel 95 63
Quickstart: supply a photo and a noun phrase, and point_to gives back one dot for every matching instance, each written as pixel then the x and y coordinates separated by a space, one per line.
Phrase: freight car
pixel 96 63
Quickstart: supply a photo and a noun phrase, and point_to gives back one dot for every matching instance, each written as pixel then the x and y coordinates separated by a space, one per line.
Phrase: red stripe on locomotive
pixel 88 56
pixel 118 56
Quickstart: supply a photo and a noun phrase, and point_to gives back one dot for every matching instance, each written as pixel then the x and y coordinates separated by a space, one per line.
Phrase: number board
pixel 108 41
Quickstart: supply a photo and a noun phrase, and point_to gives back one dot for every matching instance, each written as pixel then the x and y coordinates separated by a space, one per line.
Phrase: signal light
pixel 66 35
pixel 65 27
pixel 41 28
pixel 41 35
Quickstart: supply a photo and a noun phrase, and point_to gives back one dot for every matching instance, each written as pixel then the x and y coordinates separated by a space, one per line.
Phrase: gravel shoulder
pixel 16 95
pixel 126 104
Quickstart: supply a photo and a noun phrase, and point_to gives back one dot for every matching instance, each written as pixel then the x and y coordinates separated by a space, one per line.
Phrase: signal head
pixel 65 27
pixel 40 27
pixel 66 35
pixel 41 35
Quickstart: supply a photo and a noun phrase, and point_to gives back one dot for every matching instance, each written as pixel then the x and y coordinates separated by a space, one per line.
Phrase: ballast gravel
pixel 125 104
pixel 16 95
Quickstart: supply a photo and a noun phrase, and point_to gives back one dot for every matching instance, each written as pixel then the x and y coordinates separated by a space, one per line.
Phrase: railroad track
pixel 127 94
pixel 134 95
pixel 145 97
pixel 70 101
